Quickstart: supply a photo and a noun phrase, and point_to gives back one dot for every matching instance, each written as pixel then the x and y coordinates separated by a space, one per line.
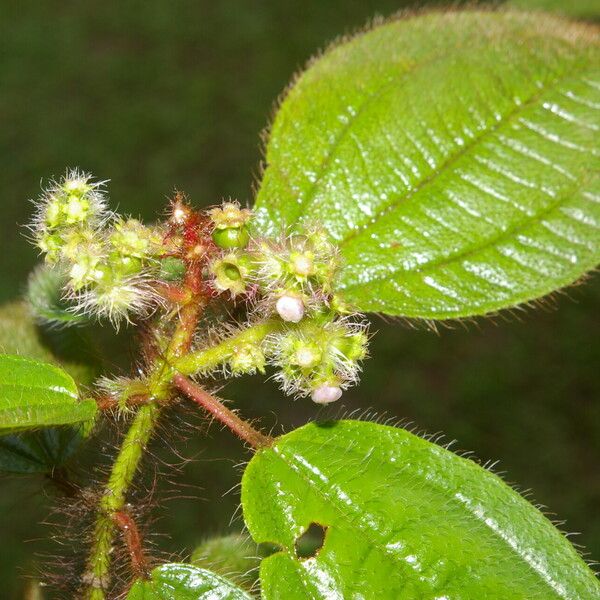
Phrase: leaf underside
pixel 35 394
pixel 185 582
pixel 404 519
pixel 38 451
pixel 454 158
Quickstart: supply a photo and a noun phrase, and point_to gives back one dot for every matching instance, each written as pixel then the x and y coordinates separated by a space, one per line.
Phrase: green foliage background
pixel 162 94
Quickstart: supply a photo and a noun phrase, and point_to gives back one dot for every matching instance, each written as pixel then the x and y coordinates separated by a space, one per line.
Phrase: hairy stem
pixel 97 577
pixel 204 360
pixel 238 426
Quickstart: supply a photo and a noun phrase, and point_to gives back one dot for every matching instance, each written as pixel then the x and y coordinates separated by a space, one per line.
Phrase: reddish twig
pixel 133 541
pixel 238 426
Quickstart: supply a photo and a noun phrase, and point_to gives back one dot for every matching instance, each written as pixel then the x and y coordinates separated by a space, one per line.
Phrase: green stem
pixel 204 360
pixel 97 577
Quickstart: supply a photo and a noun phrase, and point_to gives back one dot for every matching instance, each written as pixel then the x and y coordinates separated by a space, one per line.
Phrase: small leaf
pixel 454 158
pixel 35 394
pixel 45 297
pixel 185 582
pixel 235 556
pixel 38 451
pixel 403 519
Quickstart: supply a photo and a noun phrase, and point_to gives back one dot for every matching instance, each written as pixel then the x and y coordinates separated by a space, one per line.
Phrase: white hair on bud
pixel 290 308
pixel 117 301
pixel 325 394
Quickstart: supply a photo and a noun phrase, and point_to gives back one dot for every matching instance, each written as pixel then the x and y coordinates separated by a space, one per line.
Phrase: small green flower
pixel 231 273
pixel 247 358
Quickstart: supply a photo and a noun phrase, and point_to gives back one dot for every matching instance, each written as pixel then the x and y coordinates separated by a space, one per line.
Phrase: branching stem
pixel 217 409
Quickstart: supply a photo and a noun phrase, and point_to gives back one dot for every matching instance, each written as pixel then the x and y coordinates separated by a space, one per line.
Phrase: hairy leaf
pixel 185 582
pixel 583 9
pixel 404 519
pixel 454 157
pixel 35 394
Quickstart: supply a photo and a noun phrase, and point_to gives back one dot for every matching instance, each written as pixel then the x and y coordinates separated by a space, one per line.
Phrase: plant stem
pixel 98 574
pixel 238 426
pixel 204 360
pixel 97 577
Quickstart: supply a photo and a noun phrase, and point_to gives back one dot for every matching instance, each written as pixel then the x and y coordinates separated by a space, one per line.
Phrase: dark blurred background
pixel 156 95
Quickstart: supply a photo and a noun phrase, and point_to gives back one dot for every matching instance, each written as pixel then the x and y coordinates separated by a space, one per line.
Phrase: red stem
pixel 238 426
pixel 133 541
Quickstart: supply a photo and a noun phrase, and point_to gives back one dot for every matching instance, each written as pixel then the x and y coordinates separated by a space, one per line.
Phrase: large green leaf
pixel 35 394
pixel 185 582
pixel 454 157
pixel 404 519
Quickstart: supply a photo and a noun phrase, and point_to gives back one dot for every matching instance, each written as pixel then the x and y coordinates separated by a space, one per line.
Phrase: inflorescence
pixel 117 268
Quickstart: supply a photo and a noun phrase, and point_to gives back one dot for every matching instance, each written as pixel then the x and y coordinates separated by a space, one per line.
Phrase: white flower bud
pixel 325 394
pixel 290 308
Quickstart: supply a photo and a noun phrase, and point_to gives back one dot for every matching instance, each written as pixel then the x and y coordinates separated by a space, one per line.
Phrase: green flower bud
pixel 50 244
pixel 53 213
pixel 231 237
pixel 352 347
pixel 131 238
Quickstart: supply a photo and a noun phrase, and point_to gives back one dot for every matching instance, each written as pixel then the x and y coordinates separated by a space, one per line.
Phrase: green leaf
pixel 454 157
pixel 35 394
pixel 235 556
pixel 404 519
pixel 45 297
pixel 185 582
pixel 65 348
pixel 39 451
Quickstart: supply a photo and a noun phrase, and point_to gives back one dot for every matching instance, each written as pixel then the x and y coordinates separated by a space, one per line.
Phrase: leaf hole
pixel 311 541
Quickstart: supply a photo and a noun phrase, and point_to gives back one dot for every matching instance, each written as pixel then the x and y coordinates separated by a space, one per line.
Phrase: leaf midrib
pixel 369 99
pixel 464 150
pixel 468 252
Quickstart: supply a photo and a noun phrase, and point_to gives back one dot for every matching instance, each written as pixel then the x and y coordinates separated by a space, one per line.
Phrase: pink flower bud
pixel 290 308
pixel 325 394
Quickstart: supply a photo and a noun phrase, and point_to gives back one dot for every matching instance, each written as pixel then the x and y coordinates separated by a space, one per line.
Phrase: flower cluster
pixel 117 267
pixel 107 261
pixel 319 349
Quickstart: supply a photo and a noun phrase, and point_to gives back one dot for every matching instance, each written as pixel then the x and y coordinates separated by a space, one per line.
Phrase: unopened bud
pixel 325 394
pixel 290 308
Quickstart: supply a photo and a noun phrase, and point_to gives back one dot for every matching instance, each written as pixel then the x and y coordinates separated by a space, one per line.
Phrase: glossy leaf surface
pixel 185 582
pixel 404 519
pixel 454 157
pixel 35 394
